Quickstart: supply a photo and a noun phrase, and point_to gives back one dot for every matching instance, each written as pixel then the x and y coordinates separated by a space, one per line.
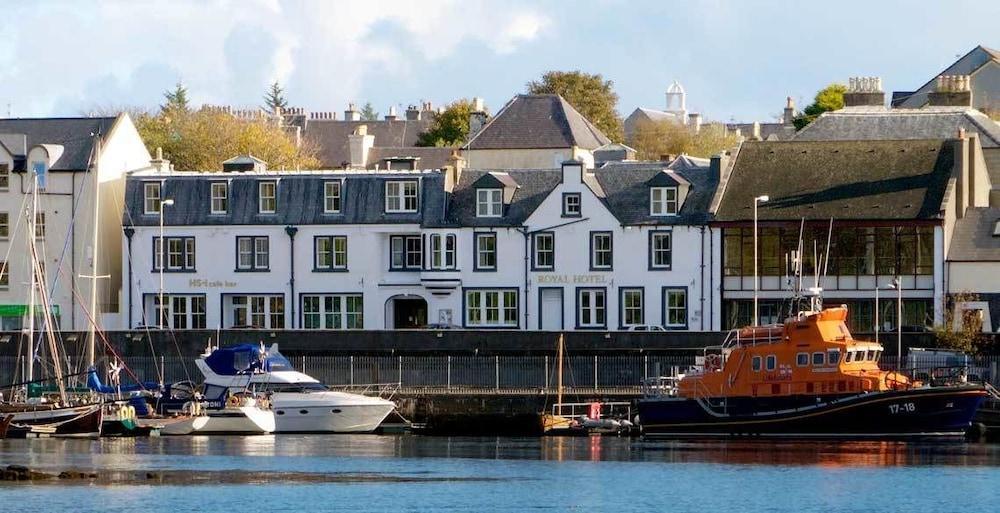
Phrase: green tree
pixel 965 333
pixel 450 127
pixel 275 98
pixel 368 112
pixel 653 139
pixel 829 98
pixel 177 101
pixel 590 94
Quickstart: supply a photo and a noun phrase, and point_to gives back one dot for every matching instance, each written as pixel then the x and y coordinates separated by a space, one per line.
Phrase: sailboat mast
pixel 95 315
pixel 559 371
pixel 29 371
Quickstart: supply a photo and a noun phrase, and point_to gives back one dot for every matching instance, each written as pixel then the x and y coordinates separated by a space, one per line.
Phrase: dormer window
pixel 220 197
pixel 663 201
pixel 331 197
pixel 267 197
pixel 400 196
pixel 571 204
pixel 489 202
pixel 151 197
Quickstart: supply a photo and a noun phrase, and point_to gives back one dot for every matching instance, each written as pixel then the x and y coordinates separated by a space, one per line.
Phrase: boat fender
pixel 233 402
pixel 190 408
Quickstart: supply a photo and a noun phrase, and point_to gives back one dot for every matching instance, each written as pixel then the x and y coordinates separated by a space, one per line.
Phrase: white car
pixel 645 327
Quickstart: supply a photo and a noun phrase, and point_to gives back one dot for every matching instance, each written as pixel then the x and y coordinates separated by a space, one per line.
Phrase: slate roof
pixel 429 157
pixel 330 137
pixel 300 199
pixel 626 187
pixel 879 123
pixel 73 134
pixel 537 121
pixel 858 180
pixel 972 239
pixel 768 131
pixel 533 186
pixel 965 65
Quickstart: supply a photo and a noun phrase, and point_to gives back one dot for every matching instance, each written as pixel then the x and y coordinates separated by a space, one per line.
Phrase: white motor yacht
pixel 301 404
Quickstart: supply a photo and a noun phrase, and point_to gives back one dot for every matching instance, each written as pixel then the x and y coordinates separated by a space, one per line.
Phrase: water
pixel 415 473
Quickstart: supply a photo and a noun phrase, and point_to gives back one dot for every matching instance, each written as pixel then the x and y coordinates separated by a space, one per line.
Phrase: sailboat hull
pixel 72 422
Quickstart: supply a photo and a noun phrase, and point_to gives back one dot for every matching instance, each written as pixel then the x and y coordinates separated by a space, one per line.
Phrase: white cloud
pixel 65 57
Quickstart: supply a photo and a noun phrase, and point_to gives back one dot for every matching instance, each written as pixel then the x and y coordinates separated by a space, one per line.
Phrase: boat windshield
pixel 276 361
pixel 295 387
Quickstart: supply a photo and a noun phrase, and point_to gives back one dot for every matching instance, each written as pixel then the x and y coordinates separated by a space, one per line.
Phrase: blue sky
pixel 736 59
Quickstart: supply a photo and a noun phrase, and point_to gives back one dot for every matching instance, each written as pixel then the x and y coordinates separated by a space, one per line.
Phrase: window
pixel 489 202
pixel 802 359
pixel 491 308
pixel 771 362
pixel 333 312
pixel 220 197
pixel 4 225
pixel 151 197
pixel 544 254
pixel 39 225
pixel 267 200
pixel 600 250
pixel 755 363
pixel 848 356
pixel 632 307
pixel 181 312
pixel 262 312
pixel 4 275
pixel 179 254
pixel 819 359
pixel 591 308
pixel 675 308
pixel 330 253
pixel 252 253
pixel 571 204
pixel 400 196
pixel 660 256
pixel 442 251
pixel 663 201
pixel 405 252
pixel 833 356
pixel 331 197
pixel 4 177
pixel 486 251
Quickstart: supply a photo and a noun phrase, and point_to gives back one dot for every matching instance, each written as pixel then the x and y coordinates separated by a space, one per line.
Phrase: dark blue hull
pixel 922 412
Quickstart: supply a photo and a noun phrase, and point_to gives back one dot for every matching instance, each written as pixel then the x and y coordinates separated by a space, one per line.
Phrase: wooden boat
pixel 64 422
pixel 807 377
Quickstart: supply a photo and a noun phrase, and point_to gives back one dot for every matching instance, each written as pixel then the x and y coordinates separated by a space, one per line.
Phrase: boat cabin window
pixel 833 356
pixel 802 359
pixel 755 363
pixel 871 355
pixel 819 358
pixel 848 356
pixel 878 354
pixel 772 362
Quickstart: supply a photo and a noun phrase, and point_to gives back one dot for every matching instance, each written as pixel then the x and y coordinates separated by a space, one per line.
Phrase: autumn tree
pixel 962 332
pixel 829 98
pixel 590 94
pixel 450 127
pixel 653 139
pixel 275 98
pixel 368 112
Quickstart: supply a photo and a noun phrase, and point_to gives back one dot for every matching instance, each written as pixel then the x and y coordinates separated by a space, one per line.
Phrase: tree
pixel 177 101
pixel 590 94
pixel 450 127
pixel 967 337
pixel 829 98
pixel 653 139
pixel 368 112
pixel 275 98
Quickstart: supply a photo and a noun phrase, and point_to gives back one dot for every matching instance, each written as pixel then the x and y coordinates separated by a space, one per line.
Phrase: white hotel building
pixel 553 249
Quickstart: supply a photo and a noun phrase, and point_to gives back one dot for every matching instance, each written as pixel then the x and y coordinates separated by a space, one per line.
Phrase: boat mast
pixel 92 325
pixel 29 372
pixel 559 371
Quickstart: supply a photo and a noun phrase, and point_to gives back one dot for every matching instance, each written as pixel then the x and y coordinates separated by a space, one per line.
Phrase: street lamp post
pixel 163 263
pixel 897 284
pixel 756 282
pixel 876 311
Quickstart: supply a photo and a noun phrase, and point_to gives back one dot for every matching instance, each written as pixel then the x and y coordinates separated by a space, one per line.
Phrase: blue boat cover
pixel 94 383
pixel 246 359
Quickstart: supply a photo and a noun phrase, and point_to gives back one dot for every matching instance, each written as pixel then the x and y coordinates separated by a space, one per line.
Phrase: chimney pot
pixel 864 91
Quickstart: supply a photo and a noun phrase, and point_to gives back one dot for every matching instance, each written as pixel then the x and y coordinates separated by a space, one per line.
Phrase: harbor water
pixel 418 473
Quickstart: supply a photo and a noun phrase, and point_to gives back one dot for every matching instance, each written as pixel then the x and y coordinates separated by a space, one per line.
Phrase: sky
pixel 737 60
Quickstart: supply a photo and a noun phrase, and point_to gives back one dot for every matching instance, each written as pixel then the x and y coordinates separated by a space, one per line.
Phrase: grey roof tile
pixel 537 121
pixel 626 187
pixel 972 239
pixel 533 186
pixel 879 123
pixel 73 134
pixel 330 136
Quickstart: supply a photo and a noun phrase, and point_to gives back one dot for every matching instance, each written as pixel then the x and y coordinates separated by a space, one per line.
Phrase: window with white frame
pixel 253 253
pixel 179 311
pixel 663 201
pixel 400 196
pixel 39 225
pixel 491 308
pixel 486 251
pixel 333 312
pixel 151 197
pixel 571 204
pixel 262 312
pixel 179 253
pixel 489 202
pixel 4 177
pixel 4 225
pixel 544 253
pixel 675 308
pixel 591 308
pixel 405 252
pixel 220 197
pixel 331 253
pixel 442 251
pixel 331 197
pixel 267 197
pixel 600 250
pixel 632 307
pixel 660 249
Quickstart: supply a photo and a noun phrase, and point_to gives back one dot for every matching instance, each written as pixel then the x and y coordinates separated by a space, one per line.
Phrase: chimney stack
pixel 788 117
pixel 391 116
pixel 352 113
pixel 864 92
pixel 453 171
pixel 160 164
pixel 951 91
pixel 412 113
pixel 427 111
pixel 694 122
pixel 478 116
pixel 360 144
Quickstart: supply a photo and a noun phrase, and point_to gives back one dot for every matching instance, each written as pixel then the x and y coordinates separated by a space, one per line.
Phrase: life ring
pixel 263 403
pixel 712 362
pixel 233 401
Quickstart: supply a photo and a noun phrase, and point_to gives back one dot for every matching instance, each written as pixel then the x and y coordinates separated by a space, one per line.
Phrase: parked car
pixel 645 327
pixel 441 326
